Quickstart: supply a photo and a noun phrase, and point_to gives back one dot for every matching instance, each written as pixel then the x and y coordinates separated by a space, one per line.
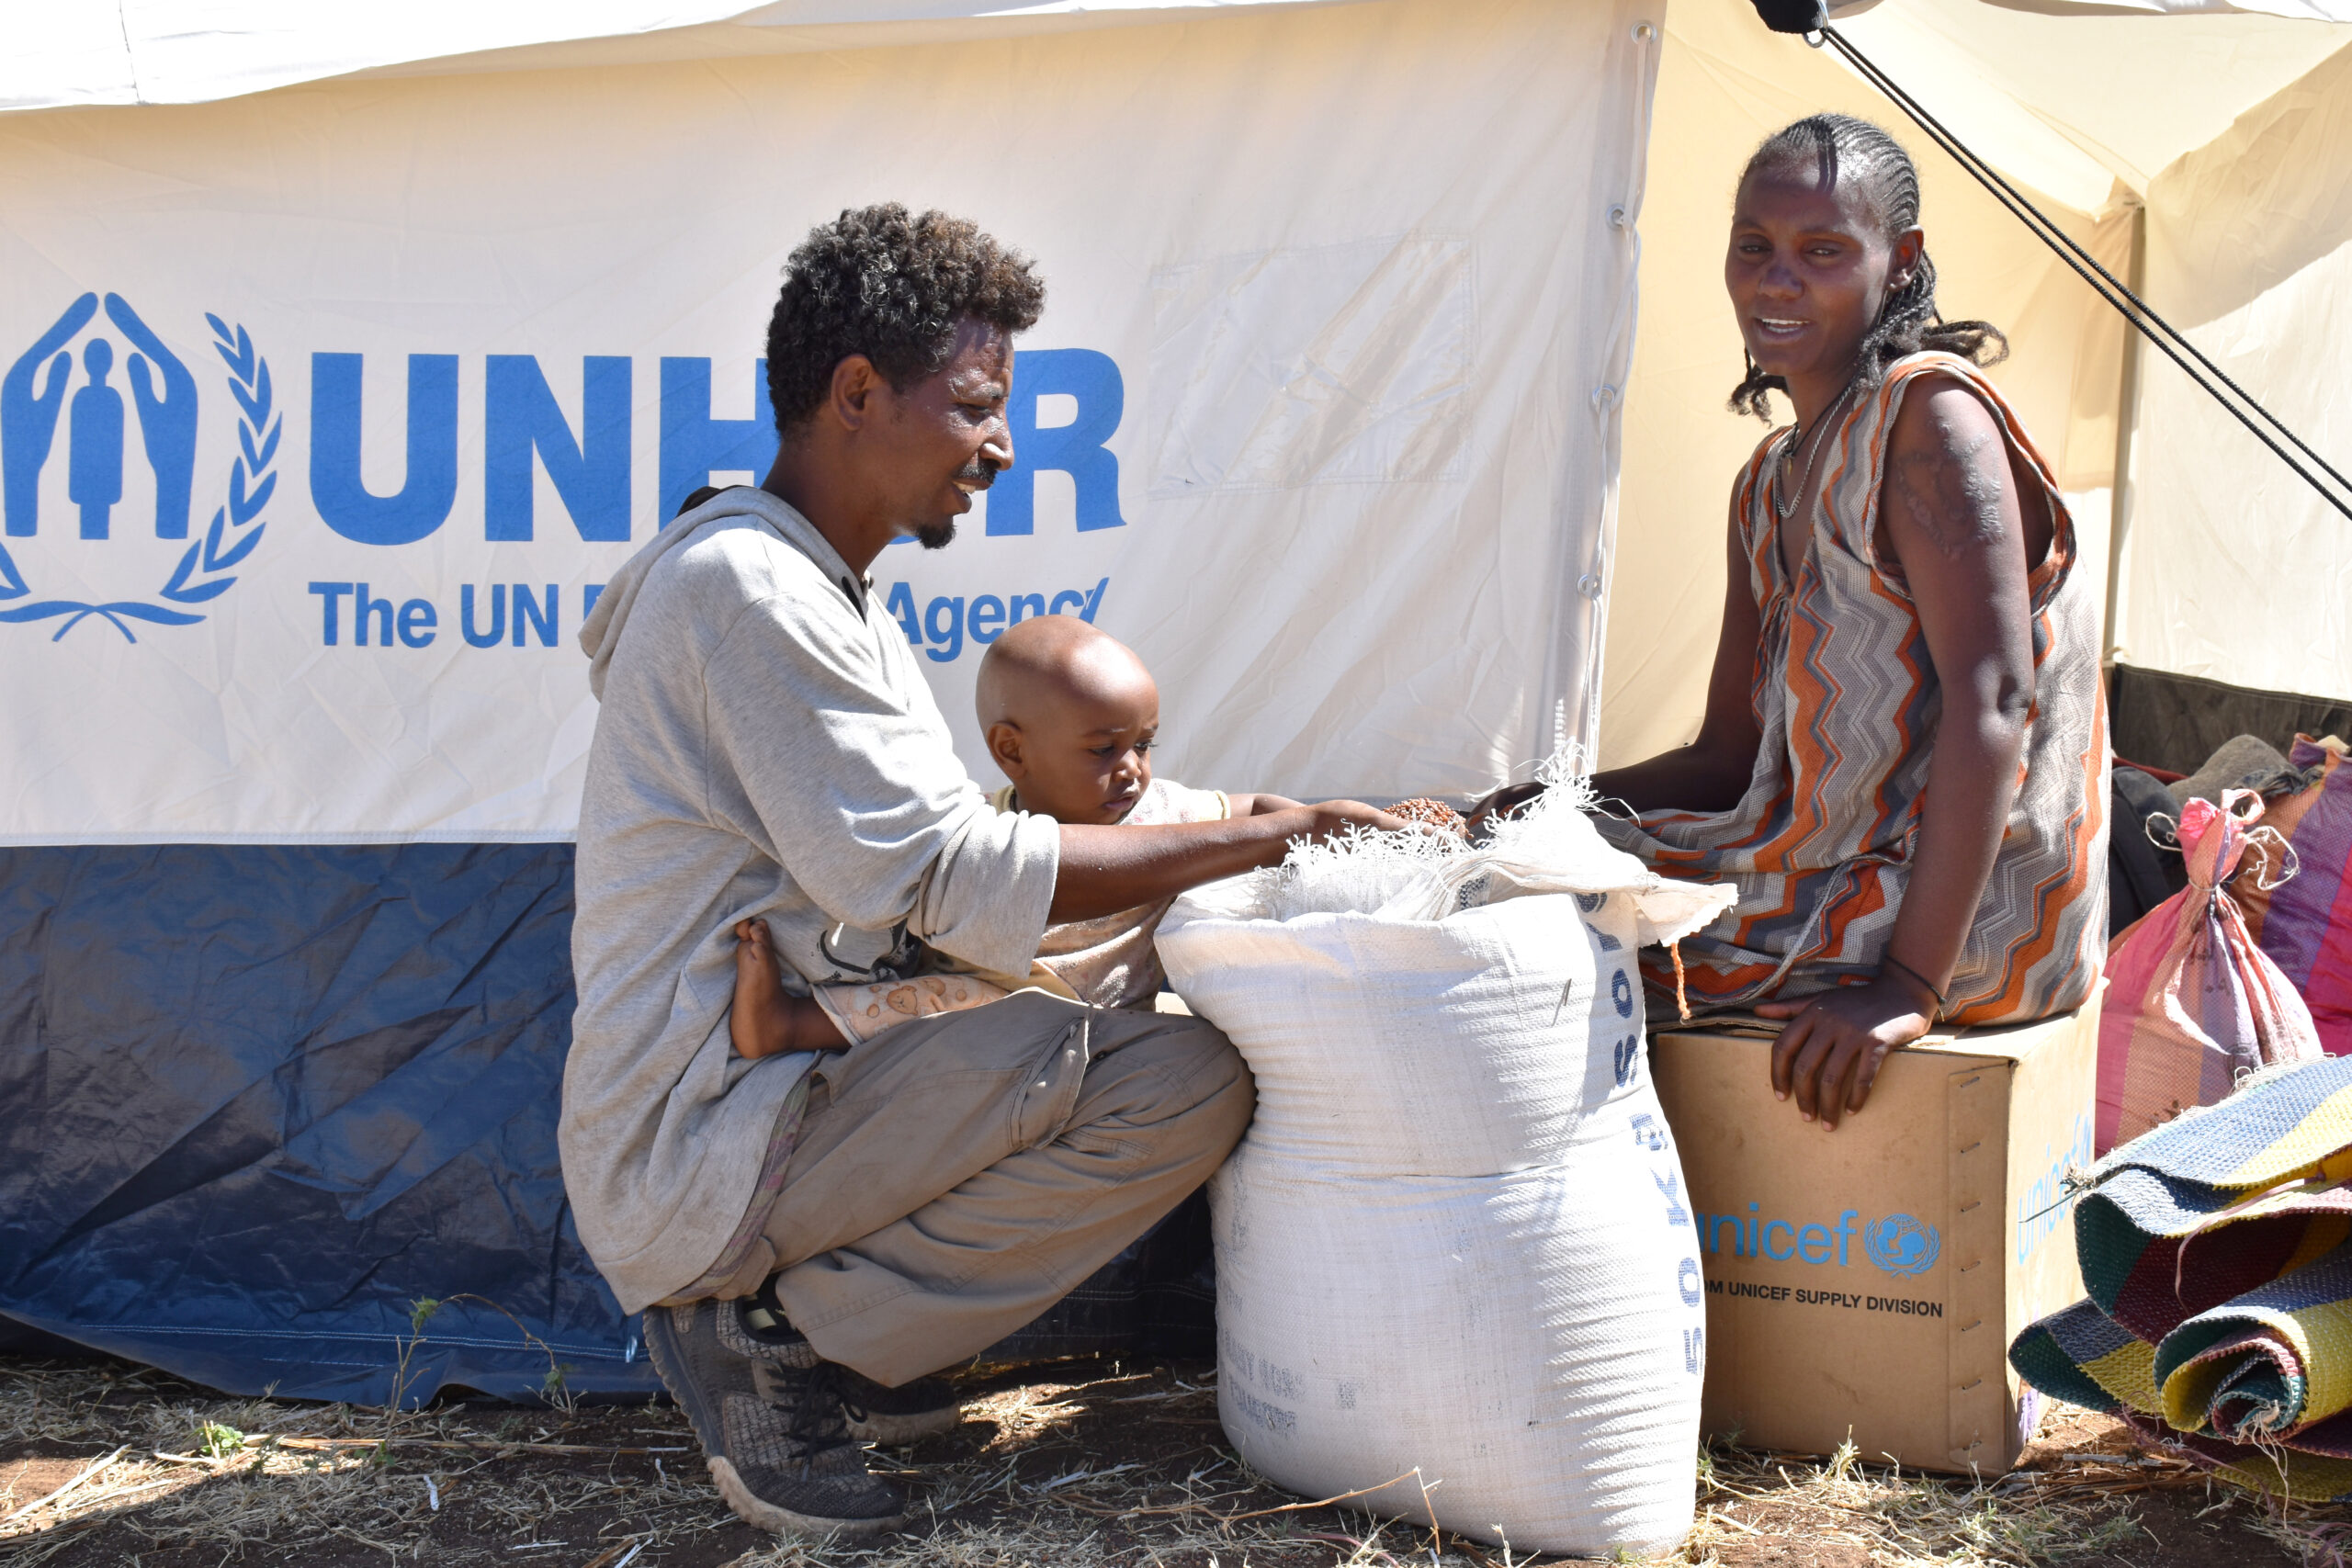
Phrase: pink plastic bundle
pixel 2192 1004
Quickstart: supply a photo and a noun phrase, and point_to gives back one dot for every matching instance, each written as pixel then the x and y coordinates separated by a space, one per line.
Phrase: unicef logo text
pixel 39 400
pixel 1902 1245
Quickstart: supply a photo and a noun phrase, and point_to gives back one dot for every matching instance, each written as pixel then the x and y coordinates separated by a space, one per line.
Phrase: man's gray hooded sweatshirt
pixel 766 746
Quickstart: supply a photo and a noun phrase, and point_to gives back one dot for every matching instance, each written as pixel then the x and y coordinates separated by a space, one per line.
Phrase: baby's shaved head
pixel 1058 660
pixel 1070 716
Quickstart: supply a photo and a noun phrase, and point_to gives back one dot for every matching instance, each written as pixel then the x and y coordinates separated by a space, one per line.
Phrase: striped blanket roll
pixel 2159 1250
pixel 2083 1356
pixel 2221 1200
pixel 2274 1366
pixel 2080 1355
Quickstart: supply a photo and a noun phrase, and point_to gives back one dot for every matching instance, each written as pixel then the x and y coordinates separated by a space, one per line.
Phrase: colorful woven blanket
pixel 2217 1250
pixel 2220 1200
pixel 2275 1365
pixel 2083 1356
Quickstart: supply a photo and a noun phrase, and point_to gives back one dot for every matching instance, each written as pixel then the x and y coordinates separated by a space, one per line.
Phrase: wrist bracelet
pixel 1890 958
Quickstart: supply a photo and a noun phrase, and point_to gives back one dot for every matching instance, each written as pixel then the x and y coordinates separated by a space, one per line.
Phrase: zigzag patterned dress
pixel 1847 700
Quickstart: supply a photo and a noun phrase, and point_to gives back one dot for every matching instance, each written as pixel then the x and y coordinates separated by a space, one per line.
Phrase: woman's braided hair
pixel 1842 146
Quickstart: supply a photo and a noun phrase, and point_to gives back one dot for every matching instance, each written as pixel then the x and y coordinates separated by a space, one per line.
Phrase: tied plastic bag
pixel 2193 1005
pixel 1456 1268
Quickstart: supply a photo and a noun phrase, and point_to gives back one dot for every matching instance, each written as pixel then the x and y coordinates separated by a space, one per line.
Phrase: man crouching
pixel 810 1234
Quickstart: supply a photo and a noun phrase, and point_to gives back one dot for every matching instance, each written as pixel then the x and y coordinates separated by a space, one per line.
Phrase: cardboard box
pixel 1870 1279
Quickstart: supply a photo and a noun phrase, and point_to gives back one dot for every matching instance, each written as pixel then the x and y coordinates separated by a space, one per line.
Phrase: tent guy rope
pixel 1810 20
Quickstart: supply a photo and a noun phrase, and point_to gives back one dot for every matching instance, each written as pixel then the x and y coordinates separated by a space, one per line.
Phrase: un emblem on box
pixel 1902 1245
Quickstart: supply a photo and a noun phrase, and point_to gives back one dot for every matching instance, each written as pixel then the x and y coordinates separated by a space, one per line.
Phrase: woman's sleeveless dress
pixel 1847 701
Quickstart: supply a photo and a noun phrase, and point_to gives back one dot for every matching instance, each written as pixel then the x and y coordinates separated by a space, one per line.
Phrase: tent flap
pixel 123 51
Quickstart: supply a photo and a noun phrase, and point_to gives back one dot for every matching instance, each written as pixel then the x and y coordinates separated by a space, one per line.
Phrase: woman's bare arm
pixel 1712 773
pixel 1952 513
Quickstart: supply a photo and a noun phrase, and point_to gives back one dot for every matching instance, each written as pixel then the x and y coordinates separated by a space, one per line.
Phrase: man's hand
pixel 1106 869
pixel 1829 1055
pixel 1331 818
pixel 1258 804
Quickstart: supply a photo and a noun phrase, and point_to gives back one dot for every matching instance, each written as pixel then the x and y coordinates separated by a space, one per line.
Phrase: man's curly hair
pixel 878 282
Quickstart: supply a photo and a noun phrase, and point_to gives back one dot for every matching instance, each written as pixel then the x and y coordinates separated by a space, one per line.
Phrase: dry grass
pixel 1894 1521
pixel 1088 1465
pixel 235 1478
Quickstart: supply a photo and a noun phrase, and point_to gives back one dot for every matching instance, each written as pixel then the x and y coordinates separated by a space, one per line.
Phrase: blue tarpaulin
pixel 260 1100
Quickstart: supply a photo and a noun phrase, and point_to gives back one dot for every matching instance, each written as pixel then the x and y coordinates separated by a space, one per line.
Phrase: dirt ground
pixel 1067 1466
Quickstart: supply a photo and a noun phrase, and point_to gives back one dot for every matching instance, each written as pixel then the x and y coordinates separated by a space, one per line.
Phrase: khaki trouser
pixel 957 1176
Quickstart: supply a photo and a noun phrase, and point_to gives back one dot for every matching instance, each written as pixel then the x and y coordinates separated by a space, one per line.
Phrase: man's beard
pixel 979 474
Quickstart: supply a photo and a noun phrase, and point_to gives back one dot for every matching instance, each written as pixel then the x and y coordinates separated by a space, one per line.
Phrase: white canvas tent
pixel 1320 435
pixel 2202 157
pixel 345 349
pixel 1315 418
pixel 2196 154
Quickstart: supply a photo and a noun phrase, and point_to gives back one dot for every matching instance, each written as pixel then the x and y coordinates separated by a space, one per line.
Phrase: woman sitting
pixel 1904 759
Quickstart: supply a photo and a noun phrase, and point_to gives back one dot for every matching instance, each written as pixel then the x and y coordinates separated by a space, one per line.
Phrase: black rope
pixel 2154 327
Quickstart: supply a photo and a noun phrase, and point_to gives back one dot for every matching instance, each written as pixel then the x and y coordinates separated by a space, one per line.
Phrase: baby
pixel 1070 716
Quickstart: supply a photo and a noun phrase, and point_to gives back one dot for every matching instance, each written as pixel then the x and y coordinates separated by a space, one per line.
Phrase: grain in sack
pixel 1455 1261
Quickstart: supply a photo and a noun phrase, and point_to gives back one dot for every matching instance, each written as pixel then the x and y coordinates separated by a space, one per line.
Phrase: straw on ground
pixel 1086 1464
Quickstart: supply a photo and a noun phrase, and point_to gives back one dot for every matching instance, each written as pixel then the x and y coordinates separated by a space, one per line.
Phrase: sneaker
pixel 768 1413
pixel 872 1412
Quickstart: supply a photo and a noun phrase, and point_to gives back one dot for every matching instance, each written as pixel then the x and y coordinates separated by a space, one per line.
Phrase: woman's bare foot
pixel 764 1020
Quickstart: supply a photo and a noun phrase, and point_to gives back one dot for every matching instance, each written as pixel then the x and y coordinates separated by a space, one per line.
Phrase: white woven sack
pixel 1454 1259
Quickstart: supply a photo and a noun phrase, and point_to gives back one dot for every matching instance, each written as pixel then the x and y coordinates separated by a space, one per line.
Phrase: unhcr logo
pixel 40 398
